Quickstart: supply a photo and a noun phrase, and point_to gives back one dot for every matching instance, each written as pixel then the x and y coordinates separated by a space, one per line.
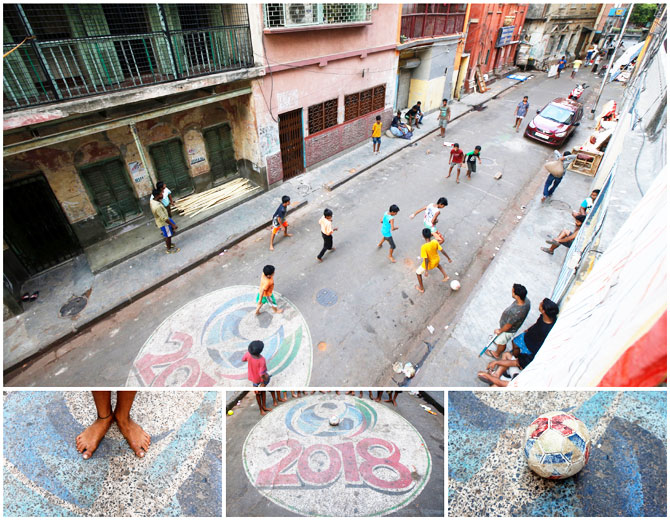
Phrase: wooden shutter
pixel 220 151
pixel 378 97
pixel 111 192
pixel 171 167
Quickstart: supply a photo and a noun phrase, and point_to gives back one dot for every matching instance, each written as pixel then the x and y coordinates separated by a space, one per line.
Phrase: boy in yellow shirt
pixel 431 258
pixel 376 135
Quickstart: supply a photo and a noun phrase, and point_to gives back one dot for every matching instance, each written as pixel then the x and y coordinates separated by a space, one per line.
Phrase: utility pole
pixel 609 65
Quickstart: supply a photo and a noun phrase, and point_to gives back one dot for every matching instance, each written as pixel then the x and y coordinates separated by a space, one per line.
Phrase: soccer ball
pixel 455 285
pixel 334 420
pixel 557 445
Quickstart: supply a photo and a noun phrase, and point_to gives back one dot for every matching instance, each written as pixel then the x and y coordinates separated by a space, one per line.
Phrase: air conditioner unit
pixel 299 14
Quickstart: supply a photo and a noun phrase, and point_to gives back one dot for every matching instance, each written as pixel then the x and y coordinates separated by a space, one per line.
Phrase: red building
pixel 493 35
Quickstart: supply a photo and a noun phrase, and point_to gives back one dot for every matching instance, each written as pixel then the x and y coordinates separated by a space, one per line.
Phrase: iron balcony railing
pixel 45 72
pixel 300 15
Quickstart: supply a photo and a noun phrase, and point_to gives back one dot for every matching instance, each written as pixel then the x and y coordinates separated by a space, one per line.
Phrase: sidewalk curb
pixel 230 404
pixel 332 186
pixel 42 352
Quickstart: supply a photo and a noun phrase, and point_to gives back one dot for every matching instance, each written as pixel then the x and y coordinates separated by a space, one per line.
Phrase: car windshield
pixel 556 113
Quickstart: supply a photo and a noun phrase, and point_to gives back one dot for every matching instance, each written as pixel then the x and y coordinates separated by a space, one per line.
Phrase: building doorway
pixel 222 164
pixel 36 228
pixel 290 143
pixel 168 158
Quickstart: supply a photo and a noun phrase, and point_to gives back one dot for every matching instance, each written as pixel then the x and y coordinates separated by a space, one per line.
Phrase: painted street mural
pixel 44 475
pixel 626 473
pixel 202 344
pixel 371 462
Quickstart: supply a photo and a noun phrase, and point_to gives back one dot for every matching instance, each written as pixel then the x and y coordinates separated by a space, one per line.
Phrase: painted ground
pixel 192 348
pixel 626 474
pixel 375 461
pixel 44 475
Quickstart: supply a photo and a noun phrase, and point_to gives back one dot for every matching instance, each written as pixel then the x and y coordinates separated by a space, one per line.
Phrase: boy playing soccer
pixel 376 135
pixel 257 372
pixel 430 217
pixel 431 258
pixel 267 287
pixel 389 226
pixel 471 160
pixel 279 220
pixel 455 160
pixel 326 223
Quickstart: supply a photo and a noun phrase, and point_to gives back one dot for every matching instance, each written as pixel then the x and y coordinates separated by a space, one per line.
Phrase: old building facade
pixel 493 34
pixel 555 30
pixel 329 70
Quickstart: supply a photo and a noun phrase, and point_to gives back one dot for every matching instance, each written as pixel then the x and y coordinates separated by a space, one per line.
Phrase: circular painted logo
pixel 336 455
pixel 203 343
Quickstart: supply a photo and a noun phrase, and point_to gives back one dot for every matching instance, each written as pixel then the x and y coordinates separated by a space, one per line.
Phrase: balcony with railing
pixel 431 20
pixel 79 50
pixel 286 17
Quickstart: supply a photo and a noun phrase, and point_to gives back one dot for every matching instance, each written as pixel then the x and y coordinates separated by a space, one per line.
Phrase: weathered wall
pixel 61 163
pixel 333 140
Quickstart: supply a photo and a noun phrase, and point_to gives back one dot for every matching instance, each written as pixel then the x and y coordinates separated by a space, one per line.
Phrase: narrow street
pixel 358 313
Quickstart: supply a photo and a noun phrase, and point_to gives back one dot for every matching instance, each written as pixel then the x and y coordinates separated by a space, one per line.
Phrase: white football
pixel 455 285
pixel 334 420
pixel 557 445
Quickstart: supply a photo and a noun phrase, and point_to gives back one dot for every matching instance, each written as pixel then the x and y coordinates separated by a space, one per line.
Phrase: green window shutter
pixel 220 151
pixel 111 192
pixel 172 170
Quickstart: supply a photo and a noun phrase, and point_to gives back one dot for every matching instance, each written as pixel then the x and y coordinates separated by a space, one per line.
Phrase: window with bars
pixel 292 15
pixel 364 102
pixel 430 20
pixel 322 116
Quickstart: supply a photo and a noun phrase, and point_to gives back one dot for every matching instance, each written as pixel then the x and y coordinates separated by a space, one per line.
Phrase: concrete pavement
pixel 322 482
pixel 44 475
pixel 40 328
pixel 626 474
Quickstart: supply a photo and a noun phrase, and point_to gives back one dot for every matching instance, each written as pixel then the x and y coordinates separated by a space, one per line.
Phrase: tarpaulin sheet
pixel 612 331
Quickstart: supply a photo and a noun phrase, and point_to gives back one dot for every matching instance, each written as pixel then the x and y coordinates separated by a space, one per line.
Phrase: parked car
pixel 555 122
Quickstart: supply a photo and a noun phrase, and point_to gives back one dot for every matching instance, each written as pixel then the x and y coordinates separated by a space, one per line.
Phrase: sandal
pixel 481 376
pixel 547 250
pixel 491 354
pixel 25 297
pixel 552 242
pixel 34 296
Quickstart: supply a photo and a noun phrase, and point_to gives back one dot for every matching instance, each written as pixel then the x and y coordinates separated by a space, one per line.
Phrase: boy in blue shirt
pixel 389 226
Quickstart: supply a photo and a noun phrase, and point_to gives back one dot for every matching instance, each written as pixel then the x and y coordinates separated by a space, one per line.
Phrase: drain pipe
pixel 609 65
pixel 140 148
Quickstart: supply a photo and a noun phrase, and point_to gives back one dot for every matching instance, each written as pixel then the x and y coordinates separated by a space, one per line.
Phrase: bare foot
pixel 332 249
pixel 418 288
pixel 288 235
pixel 280 400
pixel 445 279
pixel 89 440
pixel 391 259
pixel 277 310
pixel 320 260
pixel 138 440
pixel 258 312
pixel 448 176
pixel 272 248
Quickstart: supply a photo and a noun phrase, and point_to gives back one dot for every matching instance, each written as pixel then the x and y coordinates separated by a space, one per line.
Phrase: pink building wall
pixel 313 66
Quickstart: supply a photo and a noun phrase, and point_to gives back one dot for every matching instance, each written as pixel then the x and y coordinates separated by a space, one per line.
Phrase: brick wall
pixel 329 142
pixel 274 168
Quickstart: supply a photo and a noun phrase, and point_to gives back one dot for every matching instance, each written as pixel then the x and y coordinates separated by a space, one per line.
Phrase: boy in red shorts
pixel 279 220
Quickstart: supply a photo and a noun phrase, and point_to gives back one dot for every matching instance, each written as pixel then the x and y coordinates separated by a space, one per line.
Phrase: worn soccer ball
pixel 455 285
pixel 334 420
pixel 557 445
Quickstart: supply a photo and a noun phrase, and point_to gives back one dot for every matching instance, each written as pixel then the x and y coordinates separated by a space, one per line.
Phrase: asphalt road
pixel 361 313
pixel 315 485
pixel 626 474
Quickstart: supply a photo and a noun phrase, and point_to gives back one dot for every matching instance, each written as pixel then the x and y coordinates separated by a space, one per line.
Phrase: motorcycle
pixel 578 91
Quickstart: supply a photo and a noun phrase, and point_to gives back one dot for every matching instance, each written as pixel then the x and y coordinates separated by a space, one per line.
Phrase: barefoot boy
pixel 455 160
pixel 279 220
pixel 88 441
pixel 431 258
pixel 377 135
pixel 257 372
pixel 389 226
pixel 265 294
pixel 432 211
pixel 326 223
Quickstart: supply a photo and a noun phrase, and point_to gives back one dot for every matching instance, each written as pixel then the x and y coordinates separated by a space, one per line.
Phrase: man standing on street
pixel 510 320
pixel 520 112
pixel 162 220
pixel 444 116
pixel 561 66
pixel 553 180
